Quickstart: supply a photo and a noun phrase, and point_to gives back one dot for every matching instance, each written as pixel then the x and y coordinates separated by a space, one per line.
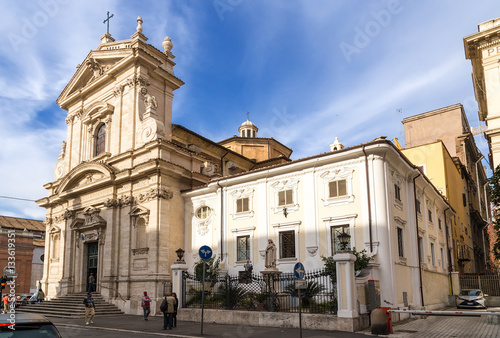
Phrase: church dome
pixel 248 129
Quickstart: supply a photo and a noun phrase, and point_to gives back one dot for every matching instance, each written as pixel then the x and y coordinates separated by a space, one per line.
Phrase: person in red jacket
pixel 146 305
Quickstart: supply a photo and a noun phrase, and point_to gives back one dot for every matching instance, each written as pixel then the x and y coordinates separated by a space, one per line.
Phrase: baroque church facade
pixel 115 207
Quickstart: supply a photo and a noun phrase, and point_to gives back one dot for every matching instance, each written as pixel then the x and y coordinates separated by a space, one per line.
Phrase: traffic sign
pixel 300 284
pixel 205 252
pixel 299 270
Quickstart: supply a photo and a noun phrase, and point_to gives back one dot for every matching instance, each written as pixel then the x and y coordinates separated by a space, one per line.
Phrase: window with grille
pixel 243 248
pixel 285 197
pixel 242 204
pixel 335 232
pixel 400 242
pixel 287 244
pixel 338 188
pixel 100 140
pixel 397 192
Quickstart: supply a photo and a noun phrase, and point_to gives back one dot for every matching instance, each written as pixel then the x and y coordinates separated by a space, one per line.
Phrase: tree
pixel 494 227
pixel 212 268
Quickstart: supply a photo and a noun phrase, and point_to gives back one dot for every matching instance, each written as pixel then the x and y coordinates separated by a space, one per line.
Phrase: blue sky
pixel 307 71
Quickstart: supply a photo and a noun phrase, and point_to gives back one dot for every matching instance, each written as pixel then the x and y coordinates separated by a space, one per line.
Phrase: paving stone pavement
pixel 437 326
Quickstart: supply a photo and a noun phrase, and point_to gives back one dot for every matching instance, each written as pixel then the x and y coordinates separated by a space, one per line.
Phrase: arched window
pixel 100 140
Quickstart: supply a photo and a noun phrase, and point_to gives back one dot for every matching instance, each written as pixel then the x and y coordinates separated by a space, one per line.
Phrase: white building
pixel 370 191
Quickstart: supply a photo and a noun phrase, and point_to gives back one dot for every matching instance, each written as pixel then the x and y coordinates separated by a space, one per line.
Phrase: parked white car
pixel 471 298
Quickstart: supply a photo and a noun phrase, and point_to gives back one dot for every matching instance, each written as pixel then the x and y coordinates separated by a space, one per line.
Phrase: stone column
pixel 177 268
pixel 346 285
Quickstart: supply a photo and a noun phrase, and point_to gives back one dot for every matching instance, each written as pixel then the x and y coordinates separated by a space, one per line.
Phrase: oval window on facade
pixel 203 212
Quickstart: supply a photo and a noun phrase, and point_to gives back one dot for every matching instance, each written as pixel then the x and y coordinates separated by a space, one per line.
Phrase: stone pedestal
pixel 177 269
pixel 346 285
pixel 272 279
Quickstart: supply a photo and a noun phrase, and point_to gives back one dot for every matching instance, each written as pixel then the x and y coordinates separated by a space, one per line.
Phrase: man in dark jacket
pixel 89 309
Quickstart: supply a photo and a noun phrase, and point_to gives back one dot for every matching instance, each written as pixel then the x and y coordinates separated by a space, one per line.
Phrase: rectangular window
pixel 285 197
pixel 397 192
pixel 287 244
pixel 243 248
pixel 442 259
pixel 242 204
pixel 429 215
pixel 400 242
pixel 433 255
pixel 419 210
pixel 335 232
pixel 421 249
pixel 439 224
pixel 464 200
pixel 338 188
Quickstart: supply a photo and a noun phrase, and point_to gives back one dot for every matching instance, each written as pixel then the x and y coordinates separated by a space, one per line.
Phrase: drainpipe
pixel 446 237
pixel 369 203
pixel 222 209
pixel 477 183
pixel 418 244
pixel 221 222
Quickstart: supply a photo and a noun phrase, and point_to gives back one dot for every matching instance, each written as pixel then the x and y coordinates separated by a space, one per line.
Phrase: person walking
pixel 168 311
pixel 5 302
pixel 146 305
pixel 89 309
pixel 91 282
pixel 40 296
pixel 176 305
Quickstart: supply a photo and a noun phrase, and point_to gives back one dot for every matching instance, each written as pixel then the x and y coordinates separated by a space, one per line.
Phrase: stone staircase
pixel 71 306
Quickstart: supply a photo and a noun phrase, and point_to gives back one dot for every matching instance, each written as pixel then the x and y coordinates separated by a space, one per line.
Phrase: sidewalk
pixel 129 324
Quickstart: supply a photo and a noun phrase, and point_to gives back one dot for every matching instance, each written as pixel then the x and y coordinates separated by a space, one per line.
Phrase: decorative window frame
pixel 135 215
pixel 202 225
pixel 430 212
pixel 337 175
pixel 330 222
pixel 397 180
pixel 248 231
pixel 97 114
pixel 243 193
pixel 401 224
pixel 283 185
pixel 421 200
pixel 280 227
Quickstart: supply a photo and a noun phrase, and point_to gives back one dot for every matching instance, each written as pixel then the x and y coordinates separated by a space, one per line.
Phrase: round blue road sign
pixel 299 270
pixel 205 252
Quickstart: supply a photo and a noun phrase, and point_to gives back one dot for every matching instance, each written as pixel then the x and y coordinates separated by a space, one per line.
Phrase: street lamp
pixel 180 254
pixel 344 239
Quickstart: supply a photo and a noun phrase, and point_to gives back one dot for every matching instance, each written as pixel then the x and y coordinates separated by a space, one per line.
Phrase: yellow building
pixel 446 174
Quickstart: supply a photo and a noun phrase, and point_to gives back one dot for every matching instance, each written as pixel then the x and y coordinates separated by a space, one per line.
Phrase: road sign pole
pixel 202 296
pixel 300 313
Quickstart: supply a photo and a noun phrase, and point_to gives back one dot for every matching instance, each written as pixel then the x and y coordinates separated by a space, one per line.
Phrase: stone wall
pixel 275 319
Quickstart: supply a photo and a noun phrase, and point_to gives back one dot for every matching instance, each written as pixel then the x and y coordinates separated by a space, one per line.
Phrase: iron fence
pixel 267 292
pixel 489 284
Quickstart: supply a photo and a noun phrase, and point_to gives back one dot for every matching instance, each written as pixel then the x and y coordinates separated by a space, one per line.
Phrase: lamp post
pixel 180 255
pixel 344 239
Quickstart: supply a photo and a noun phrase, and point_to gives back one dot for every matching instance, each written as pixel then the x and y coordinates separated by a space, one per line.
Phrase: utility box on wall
pixel 373 294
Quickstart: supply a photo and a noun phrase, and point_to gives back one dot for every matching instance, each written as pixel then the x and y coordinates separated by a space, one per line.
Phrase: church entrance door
pixel 92 265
